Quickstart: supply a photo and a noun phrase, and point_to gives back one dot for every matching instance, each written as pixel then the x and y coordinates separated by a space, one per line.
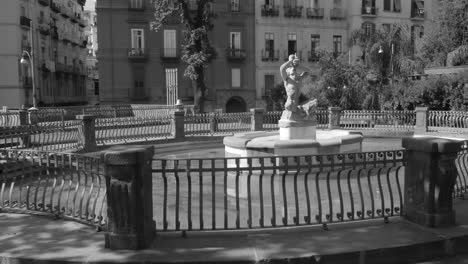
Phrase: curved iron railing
pixel 262 192
pixel 364 119
pixel 448 121
pixel 217 123
pixel 461 185
pixel 114 130
pixel 63 185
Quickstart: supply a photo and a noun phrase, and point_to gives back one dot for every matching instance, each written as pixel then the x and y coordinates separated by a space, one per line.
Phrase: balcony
pixel 270 10
pixel 418 14
pixel 137 54
pixel 44 29
pixel 337 14
pixel 235 54
pixel 270 55
pixel 234 7
pixel 314 13
pixel 370 11
pixel 286 55
pixel 293 11
pixel 25 22
pixel 312 56
pixel 54 7
pixel 136 6
pixel 169 54
pixel 44 2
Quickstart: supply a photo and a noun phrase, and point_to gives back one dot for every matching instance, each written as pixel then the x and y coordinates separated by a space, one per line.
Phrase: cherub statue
pixel 293 75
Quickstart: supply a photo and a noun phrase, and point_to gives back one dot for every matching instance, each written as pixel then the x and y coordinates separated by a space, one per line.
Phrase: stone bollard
pixel 213 122
pixel 87 132
pixel 334 114
pixel 25 138
pixel 178 125
pixel 430 176
pixel 422 115
pixel 129 197
pixel 257 119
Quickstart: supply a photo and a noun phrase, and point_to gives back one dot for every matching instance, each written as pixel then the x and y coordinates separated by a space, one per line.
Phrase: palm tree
pixel 388 55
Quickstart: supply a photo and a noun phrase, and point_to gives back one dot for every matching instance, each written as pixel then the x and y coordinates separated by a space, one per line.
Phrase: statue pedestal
pixel 303 129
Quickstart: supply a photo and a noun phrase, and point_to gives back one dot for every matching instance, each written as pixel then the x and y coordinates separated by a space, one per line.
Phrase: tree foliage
pixel 197 17
pixel 446 34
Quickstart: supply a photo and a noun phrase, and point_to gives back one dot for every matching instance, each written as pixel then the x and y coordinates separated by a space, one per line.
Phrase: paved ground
pixel 24 238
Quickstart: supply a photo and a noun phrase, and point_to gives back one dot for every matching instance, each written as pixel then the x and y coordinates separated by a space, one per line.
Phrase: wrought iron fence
pixel 66 186
pixel 448 121
pixel 363 119
pixel 9 119
pixel 113 130
pixel 53 136
pixel 217 123
pixel 270 119
pixel 461 185
pixel 262 192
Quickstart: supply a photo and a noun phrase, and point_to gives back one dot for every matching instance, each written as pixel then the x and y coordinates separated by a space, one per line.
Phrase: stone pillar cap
pixel 128 155
pixel 431 144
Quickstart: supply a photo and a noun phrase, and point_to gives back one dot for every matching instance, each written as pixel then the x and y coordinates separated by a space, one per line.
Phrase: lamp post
pixel 26 59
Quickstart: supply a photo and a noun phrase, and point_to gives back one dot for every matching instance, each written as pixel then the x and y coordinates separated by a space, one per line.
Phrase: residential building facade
pixel 91 32
pixel 50 32
pixel 137 65
pixel 285 27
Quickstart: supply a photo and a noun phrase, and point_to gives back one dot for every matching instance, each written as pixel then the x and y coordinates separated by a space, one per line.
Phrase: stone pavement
pixel 34 239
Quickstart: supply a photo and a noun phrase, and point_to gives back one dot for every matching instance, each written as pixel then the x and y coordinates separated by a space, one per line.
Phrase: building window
pixel 96 88
pixel 270 2
pixel 314 42
pixel 314 3
pixel 368 28
pixel 235 40
pixel 234 5
pixel 387 5
pixel 269 80
pixel 138 40
pixel 396 5
pixel 171 86
pixel 269 45
pixel 236 77
pixel 292 43
pixel 337 3
pixel 137 4
pixel 170 44
pixel 337 46
pixel 193 5
pixel 290 3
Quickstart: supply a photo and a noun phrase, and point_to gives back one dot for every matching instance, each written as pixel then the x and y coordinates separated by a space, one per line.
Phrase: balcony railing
pixel 137 54
pixel 270 55
pixel 369 11
pixel 234 7
pixel 337 13
pixel 270 10
pixel 418 13
pixel 170 53
pixel 293 11
pixel 286 54
pixel 315 13
pixel 312 56
pixel 136 6
pixel 44 30
pixel 44 2
pixel 24 21
pixel 235 54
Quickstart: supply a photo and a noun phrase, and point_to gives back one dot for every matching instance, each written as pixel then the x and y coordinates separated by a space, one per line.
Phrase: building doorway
pixel 236 105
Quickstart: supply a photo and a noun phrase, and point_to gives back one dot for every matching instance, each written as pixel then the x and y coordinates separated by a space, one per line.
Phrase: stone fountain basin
pixel 263 143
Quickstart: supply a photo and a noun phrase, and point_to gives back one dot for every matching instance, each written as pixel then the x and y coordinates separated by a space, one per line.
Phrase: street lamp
pixel 26 59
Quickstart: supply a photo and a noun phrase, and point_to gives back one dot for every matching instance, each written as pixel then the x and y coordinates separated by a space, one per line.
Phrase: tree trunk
pixel 199 89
